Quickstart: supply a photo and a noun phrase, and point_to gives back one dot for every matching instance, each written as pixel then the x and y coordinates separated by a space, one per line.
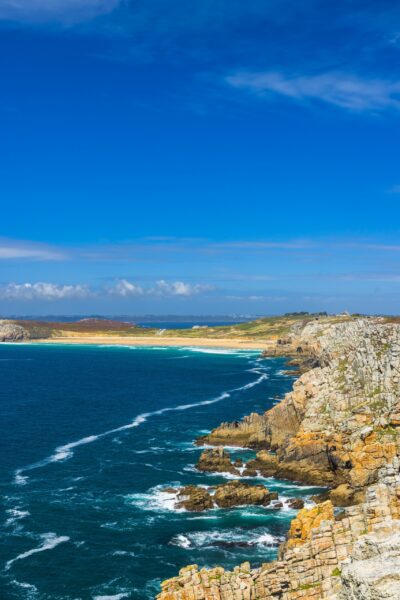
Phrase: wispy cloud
pixel 42 291
pixel 340 89
pixel 262 245
pixel 10 249
pixel 64 11
pixel 395 189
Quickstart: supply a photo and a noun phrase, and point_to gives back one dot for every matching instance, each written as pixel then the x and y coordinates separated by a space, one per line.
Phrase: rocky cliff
pixel 340 426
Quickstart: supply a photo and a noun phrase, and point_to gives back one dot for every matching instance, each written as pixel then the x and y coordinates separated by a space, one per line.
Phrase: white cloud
pixel 179 288
pixel 62 11
pixel 42 291
pixel 125 288
pixel 340 89
pixel 122 288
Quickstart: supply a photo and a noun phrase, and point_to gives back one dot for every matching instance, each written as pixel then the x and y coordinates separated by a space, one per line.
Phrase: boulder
pixel 194 498
pixel 296 503
pixel 237 493
pixel 216 460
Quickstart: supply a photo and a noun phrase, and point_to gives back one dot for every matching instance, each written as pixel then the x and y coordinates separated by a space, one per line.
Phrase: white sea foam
pixel 252 383
pixel 16 515
pixel 156 499
pixel 181 541
pixel 50 541
pixel 112 597
pixel 231 351
pixel 259 536
pixel 30 592
pixel 226 447
pixel 20 479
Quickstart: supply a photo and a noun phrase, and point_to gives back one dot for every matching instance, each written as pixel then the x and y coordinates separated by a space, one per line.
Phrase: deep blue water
pixel 90 435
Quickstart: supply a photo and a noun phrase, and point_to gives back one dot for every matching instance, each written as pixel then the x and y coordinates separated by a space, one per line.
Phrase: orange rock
pixel 307 520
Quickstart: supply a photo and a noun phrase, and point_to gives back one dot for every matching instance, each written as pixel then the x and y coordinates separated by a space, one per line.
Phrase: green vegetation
pixel 309 586
pixel 263 329
pixel 336 572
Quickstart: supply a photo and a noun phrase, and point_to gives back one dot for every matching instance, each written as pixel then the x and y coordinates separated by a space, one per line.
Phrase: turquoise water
pixel 90 436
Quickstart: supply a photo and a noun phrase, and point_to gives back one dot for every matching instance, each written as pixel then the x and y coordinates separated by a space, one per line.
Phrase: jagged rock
pixel 246 433
pixel 194 498
pixel 216 460
pixel 307 520
pixel 9 332
pixel 237 493
pixel 296 503
pixel 226 495
pixel 266 464
pixel 345 495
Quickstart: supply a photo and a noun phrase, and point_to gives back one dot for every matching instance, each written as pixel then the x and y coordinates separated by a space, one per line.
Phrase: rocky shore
pixel 225 495
pixel 339 427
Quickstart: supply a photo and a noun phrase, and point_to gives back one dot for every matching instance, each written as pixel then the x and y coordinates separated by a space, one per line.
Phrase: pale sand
pixel 246 344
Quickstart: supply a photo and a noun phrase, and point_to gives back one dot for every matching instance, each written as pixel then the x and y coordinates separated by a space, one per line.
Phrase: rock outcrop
pixel 9 332
pixel 340 426
pixel 238 493
pixel 216 460
pixel 224 495
pixel 194 498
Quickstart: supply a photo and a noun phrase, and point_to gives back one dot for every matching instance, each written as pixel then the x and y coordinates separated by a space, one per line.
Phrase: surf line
pixel 65 452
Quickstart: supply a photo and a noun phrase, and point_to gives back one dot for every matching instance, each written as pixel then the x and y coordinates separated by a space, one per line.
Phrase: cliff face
pixel 324 557
pixel 340 426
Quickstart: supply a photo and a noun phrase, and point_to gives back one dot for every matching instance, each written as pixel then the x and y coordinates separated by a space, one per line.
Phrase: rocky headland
pixel 339 427
pixel 10 332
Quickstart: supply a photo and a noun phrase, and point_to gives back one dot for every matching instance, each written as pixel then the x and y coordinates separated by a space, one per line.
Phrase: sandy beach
pixel 246 344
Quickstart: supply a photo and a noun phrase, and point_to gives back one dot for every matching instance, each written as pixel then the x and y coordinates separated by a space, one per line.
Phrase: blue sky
pixel 210 157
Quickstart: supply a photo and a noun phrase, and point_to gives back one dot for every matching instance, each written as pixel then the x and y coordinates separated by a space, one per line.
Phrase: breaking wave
pixel 50 541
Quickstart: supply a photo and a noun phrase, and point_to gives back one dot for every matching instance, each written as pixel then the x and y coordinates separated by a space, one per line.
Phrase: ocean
pixel 90 437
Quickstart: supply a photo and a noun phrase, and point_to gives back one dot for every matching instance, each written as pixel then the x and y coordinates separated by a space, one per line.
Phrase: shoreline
pixel 154 341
